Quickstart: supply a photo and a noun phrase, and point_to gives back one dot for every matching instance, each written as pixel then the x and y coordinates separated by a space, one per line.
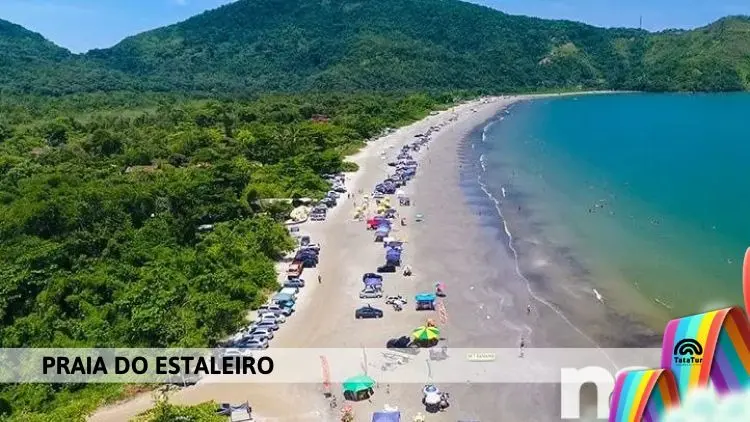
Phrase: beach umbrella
pixel 358 383
pixel 426 333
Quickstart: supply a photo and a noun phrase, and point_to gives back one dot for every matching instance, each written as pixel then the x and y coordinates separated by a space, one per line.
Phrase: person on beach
pixel 520 347
pixel 528 309
pixel 320 279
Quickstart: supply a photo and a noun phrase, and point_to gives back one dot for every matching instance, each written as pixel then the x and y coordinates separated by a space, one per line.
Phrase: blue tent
pixel 386 416
pixel 373 281
pixel 382 231
pixel 393 256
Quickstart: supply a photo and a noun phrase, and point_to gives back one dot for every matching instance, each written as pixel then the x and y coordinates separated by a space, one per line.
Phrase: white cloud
pixel 707 406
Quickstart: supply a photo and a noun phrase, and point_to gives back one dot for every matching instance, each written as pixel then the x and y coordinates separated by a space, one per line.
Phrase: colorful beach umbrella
pixel 358 383
pixel 426 333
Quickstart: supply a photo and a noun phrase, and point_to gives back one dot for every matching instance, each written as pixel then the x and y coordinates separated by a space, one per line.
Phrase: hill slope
pixel 295 45
pixel 383 45
pixel 31 64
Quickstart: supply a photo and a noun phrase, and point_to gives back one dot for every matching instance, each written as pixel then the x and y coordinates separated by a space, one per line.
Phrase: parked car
pixel 333 194
pixel 261 332
pixel 265 324
pixel 254 343
pixel 236 352
pixel 390 300
pixel 270 316
pixel 339 188
pixel 308 258
pixel 317 217
pixel 368 312
pixel 276 309
pixel 312 246
pixel 370 294
pixel 295 269
pixel 296 282
pixel 386 269
pixel 291 291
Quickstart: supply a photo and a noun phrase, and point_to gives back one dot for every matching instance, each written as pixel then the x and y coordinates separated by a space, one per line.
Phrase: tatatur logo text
pixel 688 351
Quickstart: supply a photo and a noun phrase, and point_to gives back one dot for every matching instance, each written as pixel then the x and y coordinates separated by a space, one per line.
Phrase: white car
pixel 370 294
pixel 270 316
pixel 261 332
pixel 255 343
pixel 313 246
pixel 237 352
pixel 276 309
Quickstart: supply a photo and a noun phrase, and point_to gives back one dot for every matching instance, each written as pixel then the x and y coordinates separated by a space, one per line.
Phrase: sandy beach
pixel 486 304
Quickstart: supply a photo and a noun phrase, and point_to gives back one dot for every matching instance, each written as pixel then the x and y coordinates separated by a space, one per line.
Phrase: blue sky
pixel 80 25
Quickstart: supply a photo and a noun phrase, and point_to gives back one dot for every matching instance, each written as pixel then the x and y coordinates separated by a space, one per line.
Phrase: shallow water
pixel 643 197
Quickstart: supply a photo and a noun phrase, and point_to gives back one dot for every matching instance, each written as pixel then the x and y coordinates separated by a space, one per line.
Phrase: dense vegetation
pixel 99 217
pixel 293 45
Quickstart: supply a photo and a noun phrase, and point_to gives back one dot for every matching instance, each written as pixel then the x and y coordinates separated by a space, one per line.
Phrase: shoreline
pixel 348 252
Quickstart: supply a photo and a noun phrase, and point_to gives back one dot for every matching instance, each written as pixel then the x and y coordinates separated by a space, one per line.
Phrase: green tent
pixel 358 383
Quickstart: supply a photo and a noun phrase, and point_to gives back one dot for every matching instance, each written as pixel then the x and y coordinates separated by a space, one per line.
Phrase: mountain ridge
pixel 339 45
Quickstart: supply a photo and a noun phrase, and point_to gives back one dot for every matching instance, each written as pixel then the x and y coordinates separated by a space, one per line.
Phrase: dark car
pixel 403 344
pixel 297 282
pixel 309 260
pixel 368 312
pixel 387 269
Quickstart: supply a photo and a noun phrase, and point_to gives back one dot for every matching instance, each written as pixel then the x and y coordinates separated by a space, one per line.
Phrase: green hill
pixel 380 45
pixel 343 45
pixel 31 64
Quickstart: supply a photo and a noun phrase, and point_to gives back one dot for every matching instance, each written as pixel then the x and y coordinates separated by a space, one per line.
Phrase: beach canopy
pixel 373 282
pixel 358 383
pixel 426 333
pixel 382 231
pixel 425 297
pixel 385 416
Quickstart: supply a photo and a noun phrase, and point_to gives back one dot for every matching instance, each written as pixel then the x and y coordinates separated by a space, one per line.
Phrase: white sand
pixel 324 316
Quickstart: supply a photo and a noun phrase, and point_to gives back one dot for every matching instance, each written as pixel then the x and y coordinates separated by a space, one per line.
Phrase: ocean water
pixel 645 198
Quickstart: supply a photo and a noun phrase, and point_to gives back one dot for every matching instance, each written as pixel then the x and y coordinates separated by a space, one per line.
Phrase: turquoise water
pixel 651 192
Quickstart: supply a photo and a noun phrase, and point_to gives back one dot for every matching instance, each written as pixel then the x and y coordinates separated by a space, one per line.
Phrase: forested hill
pixel 294 45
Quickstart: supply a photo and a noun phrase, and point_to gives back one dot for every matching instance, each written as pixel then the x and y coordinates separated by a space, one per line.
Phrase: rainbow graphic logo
pixel 705 350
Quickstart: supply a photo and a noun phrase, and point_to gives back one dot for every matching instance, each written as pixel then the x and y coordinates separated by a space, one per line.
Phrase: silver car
pixel 261 332
pixel 370 294
pixel 271 325
pixel 255 343
pixel 277 318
